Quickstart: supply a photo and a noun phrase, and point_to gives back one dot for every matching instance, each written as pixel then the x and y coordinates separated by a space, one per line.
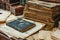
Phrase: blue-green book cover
pixel 21 25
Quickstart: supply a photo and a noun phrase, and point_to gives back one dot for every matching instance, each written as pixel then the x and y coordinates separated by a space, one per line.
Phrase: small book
pixel 21 25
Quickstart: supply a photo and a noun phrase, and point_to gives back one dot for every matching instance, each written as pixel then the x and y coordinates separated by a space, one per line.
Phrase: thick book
pixel 21 25
pixel 17 9
pixel 46 11
pixel 46 8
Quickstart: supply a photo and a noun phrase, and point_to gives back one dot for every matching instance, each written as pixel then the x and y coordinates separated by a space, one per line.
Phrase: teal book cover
pixel 21 25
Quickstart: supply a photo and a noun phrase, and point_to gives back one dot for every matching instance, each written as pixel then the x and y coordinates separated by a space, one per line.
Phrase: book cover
pixel 21 25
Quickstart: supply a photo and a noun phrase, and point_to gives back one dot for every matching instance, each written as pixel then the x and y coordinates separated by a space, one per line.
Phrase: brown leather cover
pixel 18 9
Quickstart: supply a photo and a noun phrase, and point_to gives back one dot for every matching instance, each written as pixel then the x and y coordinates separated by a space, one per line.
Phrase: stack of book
pixel 41 11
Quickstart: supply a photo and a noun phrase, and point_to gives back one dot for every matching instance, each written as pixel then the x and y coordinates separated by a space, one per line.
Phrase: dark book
pixel 21 25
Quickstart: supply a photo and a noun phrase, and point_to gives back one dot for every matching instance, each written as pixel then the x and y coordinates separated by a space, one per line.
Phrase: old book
pixel 48 26
pixel 42 17
pixel 21 25
pixel 17 9
pixel 43 12
pixel 4 15
pixel 46 7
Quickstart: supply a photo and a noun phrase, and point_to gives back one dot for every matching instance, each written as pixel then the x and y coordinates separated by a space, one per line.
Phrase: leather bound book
pixel 17 9
pixel 21 25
